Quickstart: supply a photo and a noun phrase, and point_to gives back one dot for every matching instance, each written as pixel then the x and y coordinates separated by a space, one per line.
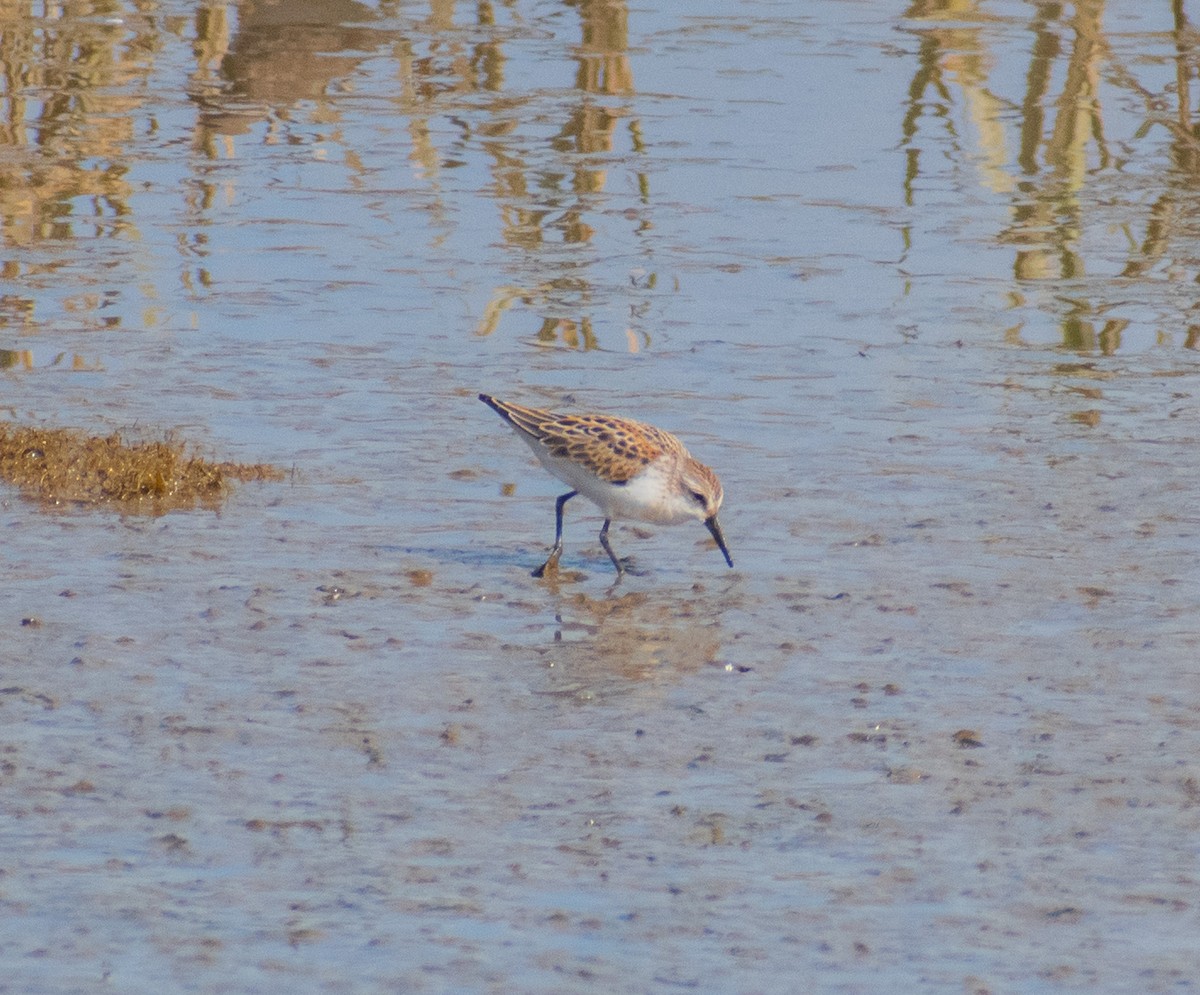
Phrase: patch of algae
pixel 62 466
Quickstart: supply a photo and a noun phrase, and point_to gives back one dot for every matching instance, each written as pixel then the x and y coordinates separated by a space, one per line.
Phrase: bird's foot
pixel 549 567
pixel 627 566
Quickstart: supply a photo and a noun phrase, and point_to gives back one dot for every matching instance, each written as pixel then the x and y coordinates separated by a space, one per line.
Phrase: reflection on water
pixel 1051 110
pixel 269 60
pixel 29 359
pixel 284 53
pixel 545 205
pixel 643 640
pixel 1080 199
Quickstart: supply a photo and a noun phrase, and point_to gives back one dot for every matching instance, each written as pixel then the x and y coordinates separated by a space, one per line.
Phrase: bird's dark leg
pixel 608 549
pixel 551 563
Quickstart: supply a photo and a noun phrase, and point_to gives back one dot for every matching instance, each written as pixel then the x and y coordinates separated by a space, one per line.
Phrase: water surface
pixel 918 282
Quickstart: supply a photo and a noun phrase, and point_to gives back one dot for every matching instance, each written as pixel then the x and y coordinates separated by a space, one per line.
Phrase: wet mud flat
pixel 239 753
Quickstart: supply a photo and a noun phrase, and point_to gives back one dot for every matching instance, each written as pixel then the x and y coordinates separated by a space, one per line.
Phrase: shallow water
pixel 920 286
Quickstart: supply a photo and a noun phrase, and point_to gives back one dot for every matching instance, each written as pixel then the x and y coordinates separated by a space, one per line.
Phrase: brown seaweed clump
pixel 61 466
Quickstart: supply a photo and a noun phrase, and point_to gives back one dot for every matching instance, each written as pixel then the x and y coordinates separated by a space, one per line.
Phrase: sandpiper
pixel 626 468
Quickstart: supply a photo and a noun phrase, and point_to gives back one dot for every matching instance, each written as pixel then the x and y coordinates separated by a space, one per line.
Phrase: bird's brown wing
pixel 615 449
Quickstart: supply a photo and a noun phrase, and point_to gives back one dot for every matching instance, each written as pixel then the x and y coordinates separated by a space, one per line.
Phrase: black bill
pixel 715 529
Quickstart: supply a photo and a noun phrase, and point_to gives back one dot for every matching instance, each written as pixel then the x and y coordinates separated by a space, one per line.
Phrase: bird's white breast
pixel 652 496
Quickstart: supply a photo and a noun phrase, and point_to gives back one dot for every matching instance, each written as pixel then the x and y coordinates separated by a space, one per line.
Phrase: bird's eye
pixel 699 498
